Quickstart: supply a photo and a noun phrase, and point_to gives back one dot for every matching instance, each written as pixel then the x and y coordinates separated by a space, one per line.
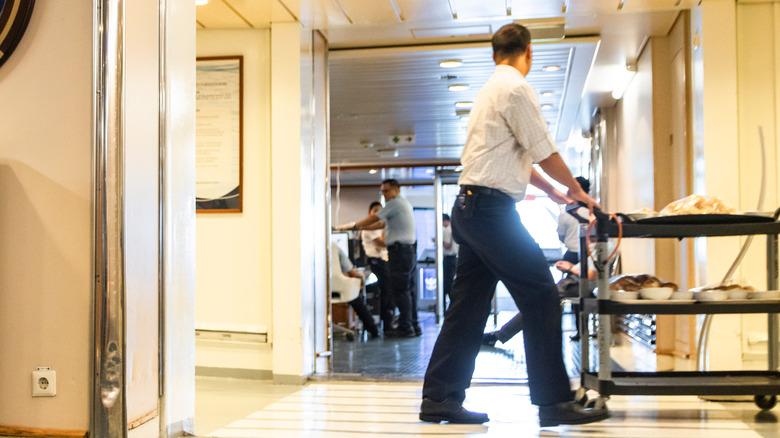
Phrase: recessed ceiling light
pixel 464 118
pixel 450 63
pixel 464 104
pixel 551 67
pixel 462 112
pixel 201 2
pixel 547 106
pixel 547 93
pixel 372 171
pixel 458 87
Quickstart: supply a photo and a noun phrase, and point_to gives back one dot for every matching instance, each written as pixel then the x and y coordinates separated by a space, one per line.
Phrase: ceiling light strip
pixel 341 8
pixel 248 23
pixel 453 11
pixel 397 11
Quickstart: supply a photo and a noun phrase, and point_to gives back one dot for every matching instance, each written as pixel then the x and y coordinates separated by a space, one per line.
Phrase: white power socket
pixel 44 382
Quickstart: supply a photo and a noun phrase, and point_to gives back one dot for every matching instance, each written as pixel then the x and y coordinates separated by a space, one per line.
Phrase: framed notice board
pixel 219 134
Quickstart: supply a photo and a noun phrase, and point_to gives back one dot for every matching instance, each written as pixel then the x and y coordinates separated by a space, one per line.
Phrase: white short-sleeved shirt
pixel 446 237
pixel 506 135
pixel 569 229
pixel 373 249
pixel 398 217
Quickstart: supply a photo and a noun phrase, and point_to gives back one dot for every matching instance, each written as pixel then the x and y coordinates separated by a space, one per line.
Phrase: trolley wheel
pixel 765 402
pixel 597 403
pixel 581 396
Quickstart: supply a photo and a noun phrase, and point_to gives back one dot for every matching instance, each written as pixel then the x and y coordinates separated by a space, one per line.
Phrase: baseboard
pixel 181 428
pixel 236 373
pixel 14 431
pixel 289 379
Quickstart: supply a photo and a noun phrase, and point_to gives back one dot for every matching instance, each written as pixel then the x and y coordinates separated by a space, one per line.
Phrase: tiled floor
pixel 375 406
pixel 347 409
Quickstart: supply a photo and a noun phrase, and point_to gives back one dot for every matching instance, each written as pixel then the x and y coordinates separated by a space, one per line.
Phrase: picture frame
pixel 219 138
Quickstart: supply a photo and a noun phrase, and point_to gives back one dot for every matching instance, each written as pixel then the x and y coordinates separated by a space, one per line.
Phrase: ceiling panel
pixel 216 14
pixel 363 12
pixel 378 93
pixel 469 9
pixel 260 13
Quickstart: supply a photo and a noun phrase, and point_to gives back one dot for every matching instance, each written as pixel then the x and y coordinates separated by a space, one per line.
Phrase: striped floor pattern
pixel 344 409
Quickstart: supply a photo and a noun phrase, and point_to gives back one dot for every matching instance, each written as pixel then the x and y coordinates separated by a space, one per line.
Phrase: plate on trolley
pixel 770 295
pixel 704 219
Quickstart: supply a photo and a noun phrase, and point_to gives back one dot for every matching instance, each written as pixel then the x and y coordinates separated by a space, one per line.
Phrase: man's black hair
pixel 392 183
pixel 374 204
pixel 510 41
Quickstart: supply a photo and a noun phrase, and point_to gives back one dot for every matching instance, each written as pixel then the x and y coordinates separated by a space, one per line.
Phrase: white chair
pixel 343 288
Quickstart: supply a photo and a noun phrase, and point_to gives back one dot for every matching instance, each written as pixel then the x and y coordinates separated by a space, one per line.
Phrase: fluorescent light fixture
pixel 464 118
pixel 201 2
pixel 547 106
pixel 372 171
pixel 388 153
pixel 458 87
pixel 547 93
pixel 450 63
pixel 551 67
pixel 623 80
pixel 463 112
pixel 464 104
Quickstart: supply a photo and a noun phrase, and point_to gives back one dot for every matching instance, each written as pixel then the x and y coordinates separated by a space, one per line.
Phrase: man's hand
pixel 564 266
pixel 345 227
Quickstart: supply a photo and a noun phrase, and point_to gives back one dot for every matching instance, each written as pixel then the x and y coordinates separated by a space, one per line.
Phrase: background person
pixel 401 240
pixel 450 252
pixel 357 304
pixel 569 227
pixel 376 252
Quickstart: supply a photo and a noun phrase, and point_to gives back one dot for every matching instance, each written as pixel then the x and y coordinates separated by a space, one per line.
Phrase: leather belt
pixel 481 190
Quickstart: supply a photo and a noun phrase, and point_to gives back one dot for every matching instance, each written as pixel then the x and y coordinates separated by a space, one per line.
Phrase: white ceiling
pixel 384 73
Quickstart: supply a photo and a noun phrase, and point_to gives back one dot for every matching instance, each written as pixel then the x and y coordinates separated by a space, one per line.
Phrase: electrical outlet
pixel 44 382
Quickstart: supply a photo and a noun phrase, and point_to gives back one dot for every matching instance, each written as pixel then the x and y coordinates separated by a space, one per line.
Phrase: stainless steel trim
pixel 162 41
pixel 109 416
pixel 439 209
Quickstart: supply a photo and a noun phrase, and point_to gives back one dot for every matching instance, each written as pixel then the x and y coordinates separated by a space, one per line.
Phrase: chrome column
pixel 109 416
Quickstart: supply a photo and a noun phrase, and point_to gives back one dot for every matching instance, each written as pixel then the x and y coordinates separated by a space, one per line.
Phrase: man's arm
pixel 371 222
pixel 556 168
pixel 538 181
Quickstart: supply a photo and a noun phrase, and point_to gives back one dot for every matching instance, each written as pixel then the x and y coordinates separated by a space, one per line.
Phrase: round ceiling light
pixel 450 63
pixel 464 104
pixel 551 67
pixel 458 87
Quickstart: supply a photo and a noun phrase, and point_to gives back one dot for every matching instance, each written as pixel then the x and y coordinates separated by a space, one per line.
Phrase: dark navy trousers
pixel 495 246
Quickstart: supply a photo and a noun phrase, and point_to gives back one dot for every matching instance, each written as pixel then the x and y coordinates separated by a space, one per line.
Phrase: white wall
pixel 234 249
pixel 45 240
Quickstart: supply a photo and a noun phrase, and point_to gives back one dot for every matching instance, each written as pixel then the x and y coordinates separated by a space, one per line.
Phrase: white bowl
pixel 623 295
pixel 765 295
pixel 738 294
pixel 682 295
pixel 712 295
pixel 656 293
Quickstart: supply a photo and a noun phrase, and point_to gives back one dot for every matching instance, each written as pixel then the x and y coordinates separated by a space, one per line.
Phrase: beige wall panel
pixel 233 274
pixel 141 213
pixel 45 237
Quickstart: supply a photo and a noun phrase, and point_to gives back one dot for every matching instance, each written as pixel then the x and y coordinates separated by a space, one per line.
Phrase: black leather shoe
pixel 451 411
pixel 489 339
pixel 417 330
pixel 397 333
pixel 570 412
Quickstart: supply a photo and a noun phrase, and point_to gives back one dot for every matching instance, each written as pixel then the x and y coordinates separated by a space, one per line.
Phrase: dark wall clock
pixel 14 16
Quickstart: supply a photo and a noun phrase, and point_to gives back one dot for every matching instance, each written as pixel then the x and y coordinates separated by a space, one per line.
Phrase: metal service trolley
pixel 763 385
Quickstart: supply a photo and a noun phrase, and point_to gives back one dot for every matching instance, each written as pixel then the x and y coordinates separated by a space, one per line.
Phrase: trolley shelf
pixel 609 307
pixel 686 383
pixel 694 230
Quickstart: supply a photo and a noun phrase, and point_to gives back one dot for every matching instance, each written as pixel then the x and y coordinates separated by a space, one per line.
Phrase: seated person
pixel 568 287
pixel 357 304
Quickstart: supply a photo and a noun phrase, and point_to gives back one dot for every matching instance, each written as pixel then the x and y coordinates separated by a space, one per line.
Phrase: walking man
pixel 506 135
